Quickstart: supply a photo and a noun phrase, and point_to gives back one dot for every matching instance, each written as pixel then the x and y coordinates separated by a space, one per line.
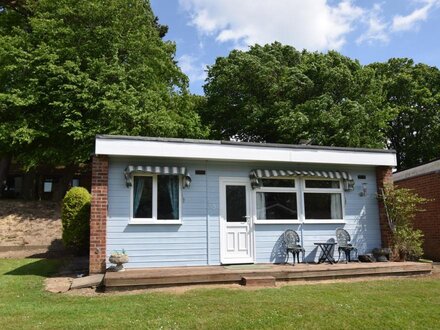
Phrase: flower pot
pixel 119 260
pixel 381 255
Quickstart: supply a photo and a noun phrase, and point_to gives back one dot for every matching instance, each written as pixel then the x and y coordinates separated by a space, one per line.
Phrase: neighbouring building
pixel 425 181
pixel 44 182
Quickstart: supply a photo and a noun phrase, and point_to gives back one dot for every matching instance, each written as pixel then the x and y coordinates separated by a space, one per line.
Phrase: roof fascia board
pixel 234 152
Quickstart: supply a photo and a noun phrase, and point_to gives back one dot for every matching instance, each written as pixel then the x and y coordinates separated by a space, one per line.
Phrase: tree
pixel 402 206
pixel 413 92
pixel 72 69
pixel 274 93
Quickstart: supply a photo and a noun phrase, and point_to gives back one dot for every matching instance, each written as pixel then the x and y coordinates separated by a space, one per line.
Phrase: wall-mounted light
pixel 363 192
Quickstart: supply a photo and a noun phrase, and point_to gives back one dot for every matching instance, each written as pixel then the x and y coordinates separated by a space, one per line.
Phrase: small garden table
pixel 326 248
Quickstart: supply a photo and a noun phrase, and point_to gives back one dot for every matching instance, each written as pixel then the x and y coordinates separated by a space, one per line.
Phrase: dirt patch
pixel 33 223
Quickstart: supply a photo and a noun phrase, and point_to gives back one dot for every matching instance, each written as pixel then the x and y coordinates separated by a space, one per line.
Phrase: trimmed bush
pixel 75 216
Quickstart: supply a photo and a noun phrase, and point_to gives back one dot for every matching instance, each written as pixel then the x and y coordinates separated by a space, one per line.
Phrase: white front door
pixel 236 227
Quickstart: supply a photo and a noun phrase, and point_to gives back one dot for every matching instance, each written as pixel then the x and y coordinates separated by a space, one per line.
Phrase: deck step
pixel 87 281
pixel 268 281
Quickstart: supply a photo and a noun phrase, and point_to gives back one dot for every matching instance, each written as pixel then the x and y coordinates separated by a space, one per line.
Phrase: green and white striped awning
pixel 161 170
pixel 256 175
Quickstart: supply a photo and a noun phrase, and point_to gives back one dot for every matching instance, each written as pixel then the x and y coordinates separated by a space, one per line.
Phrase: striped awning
pixel 161 170
pixel 256 175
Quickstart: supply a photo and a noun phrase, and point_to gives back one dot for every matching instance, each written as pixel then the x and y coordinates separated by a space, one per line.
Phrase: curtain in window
pixel 138 188
pixel 261 206
pixel 173 191
pixel 335 206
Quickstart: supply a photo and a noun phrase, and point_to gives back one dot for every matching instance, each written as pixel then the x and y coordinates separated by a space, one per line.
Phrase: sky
pixel 367 30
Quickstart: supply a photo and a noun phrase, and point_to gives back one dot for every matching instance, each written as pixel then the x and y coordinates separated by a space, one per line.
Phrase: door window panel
pixel 236 203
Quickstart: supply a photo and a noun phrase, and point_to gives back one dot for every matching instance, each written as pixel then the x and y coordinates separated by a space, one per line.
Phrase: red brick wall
pixel 98 214
pixel 383 174
pixel 428 186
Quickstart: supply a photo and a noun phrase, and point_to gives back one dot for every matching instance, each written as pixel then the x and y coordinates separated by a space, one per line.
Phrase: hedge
pixel 75 217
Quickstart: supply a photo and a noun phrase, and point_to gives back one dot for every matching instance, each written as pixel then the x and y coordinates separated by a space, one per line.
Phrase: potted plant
pixel 119 258
pixel 381 255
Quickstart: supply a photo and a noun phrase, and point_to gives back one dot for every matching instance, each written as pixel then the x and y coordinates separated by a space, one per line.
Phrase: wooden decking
pixel 156 277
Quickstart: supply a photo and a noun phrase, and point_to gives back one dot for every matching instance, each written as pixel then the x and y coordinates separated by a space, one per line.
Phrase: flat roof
pixel 431 167
pixel 252 144
pixel 118 145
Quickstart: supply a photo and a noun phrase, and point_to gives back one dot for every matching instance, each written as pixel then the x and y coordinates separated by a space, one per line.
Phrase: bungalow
pixel 181 202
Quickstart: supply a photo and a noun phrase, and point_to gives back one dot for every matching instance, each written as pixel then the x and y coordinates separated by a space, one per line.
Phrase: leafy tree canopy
pixel 413 92
pixel 71 69
pixel 274 93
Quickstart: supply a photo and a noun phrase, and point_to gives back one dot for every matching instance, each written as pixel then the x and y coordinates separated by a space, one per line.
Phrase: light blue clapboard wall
pixel 197 240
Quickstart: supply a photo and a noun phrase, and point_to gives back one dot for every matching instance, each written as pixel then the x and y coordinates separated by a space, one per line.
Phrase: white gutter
pixel 238 152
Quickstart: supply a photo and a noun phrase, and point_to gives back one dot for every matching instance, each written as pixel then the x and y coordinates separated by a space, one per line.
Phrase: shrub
pixel 75 215
pixel 401 206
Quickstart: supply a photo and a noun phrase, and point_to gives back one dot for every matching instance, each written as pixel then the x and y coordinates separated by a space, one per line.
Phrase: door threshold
pixel 247 266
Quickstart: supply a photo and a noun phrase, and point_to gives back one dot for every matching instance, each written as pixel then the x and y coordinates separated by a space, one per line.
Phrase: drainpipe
pixel 207 213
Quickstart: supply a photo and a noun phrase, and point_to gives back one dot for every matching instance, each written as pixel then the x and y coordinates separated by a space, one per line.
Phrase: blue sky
pixel 367 30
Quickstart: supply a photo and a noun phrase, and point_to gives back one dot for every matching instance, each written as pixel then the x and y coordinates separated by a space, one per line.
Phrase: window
pixel 156 198
pixel 235 203
pixel 47 185
pixel 322 200
pixel 276 200
pixel 75 183
pixel 289 200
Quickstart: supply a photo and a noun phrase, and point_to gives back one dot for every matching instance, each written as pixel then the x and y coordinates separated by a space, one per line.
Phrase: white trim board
pixel 237 152
pixel 431 167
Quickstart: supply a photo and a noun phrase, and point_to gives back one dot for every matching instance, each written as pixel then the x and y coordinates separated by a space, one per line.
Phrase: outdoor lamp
pixel 363 193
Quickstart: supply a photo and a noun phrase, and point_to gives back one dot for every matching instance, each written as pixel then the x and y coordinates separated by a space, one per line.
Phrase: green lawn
pixel 391 304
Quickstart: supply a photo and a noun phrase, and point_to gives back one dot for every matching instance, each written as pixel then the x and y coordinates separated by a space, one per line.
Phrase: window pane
pixel 323 206
pixel 143 197
pixel 322 184
pixel 47 186
pixel 168 197
pixel 236 204
pixel 276 205
pixel 278 183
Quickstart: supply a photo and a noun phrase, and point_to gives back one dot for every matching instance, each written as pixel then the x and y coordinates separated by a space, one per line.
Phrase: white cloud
pixel 309 24
pixel 377 27
pixel 409 22
pixel 314 25
pixel 192 68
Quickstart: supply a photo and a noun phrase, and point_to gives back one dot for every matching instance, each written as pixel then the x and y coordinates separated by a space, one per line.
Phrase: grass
pixel 412 303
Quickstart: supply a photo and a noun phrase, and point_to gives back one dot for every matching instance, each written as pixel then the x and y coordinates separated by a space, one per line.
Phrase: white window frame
pixel 339 190
pixel 275 190
pixel 300 189
pixel 154 220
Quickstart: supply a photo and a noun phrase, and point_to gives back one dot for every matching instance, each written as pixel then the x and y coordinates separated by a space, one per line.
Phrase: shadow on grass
pixel 54 250
pixel 43 268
